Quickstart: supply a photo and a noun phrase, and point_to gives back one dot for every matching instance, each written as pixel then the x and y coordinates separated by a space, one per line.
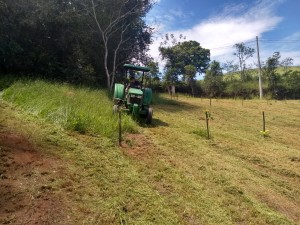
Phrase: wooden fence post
pixel 120 127
pixel 207 126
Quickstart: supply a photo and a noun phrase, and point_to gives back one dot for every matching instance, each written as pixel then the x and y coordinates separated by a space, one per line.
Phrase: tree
pixel 154 74
pixel 292 81
pixel 286 63
pixel 72 40
pixel 123 34
pixel 269 70
pixel 213 80
pixel 243 53
pixel 190 73
pixel 41 38
pixel 230 67
pixel 180 55
pixel 167 54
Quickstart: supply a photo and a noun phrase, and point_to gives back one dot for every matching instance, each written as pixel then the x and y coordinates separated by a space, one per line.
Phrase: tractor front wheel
pixel 149 115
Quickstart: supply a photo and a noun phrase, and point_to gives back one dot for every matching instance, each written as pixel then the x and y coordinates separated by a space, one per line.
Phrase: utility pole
pixel 259 71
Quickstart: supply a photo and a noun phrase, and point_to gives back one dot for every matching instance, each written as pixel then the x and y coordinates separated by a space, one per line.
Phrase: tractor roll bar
pixel 137 68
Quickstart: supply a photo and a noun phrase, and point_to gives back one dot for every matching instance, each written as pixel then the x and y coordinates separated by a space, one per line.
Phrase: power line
pixel 292 41
pixel 230 46
pixel 281 41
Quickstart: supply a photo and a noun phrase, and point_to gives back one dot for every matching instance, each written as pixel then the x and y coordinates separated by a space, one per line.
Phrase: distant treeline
pixel 230 85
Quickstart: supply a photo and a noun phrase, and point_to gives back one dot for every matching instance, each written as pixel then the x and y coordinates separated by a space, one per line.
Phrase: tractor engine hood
pixel 135 91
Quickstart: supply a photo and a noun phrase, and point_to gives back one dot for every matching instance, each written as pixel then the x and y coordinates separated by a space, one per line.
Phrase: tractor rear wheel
pixel 149 115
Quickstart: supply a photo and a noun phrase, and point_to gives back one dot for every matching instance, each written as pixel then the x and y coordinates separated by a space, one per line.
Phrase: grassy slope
pixel 79 109
pixel 238 176
pixel 170 175
pixel 101 186
pixel 281 70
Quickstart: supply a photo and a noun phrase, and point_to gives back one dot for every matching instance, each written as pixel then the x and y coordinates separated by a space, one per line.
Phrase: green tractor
pixel 134 98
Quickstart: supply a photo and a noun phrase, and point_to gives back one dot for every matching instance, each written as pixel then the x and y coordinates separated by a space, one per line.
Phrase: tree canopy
pixel 242 52
pixel 181 55
pixel 72 40
pixel 213 80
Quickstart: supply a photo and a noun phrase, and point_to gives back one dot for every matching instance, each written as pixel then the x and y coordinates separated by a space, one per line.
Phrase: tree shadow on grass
pixel 171 105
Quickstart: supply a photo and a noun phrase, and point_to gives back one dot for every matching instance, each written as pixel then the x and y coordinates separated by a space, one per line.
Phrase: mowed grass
pixel 238 176
pixel 99 185
pixel 170 173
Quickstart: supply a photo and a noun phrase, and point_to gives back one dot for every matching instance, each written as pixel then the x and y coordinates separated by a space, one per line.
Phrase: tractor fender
pixel 119 91
pixel 147 96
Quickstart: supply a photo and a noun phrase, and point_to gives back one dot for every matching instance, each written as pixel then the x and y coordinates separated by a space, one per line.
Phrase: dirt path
pixel 27 178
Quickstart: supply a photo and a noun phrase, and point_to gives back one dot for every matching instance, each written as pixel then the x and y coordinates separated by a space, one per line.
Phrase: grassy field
pixel 239 176
pixel 74 108
pixel 169 172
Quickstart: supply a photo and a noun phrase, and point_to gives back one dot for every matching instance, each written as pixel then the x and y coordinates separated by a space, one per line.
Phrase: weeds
pixel 201 133
pixel 265 133
pixel 78 109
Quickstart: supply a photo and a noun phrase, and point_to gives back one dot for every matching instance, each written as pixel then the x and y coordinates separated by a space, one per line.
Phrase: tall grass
pixel 78 109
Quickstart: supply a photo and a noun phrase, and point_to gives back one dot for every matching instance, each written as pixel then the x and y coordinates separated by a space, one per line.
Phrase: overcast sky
pixel 219 24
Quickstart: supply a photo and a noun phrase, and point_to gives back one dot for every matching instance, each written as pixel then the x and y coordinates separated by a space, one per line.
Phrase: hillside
pixel 56 172
pixel 254 72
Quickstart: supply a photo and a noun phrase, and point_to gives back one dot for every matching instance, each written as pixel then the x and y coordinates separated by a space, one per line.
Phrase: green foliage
pixel 265 133
pixel 60 39
pixel 120 31
pixel 290 82
pixel 189 76
pixel 39 37
pixel 213 80
pixel 243 53
pixel 282 81
pixel 269 71
pixel 281 85
pixel 180 55
pixel 152 79
pixel 286 84
pixel 78 109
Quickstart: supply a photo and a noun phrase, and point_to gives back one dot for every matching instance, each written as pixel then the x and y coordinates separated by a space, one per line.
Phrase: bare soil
pixel 27 183
pixel 137 146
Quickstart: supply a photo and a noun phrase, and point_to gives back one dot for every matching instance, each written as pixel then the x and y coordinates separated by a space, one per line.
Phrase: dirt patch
pixel 28 193
pixel 137 146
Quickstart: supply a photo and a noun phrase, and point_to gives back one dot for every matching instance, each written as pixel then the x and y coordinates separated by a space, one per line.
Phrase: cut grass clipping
pixel 78 109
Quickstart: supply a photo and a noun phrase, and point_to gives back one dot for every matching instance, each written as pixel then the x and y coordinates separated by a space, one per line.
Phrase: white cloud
pixel 233 25
pixel 288 47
